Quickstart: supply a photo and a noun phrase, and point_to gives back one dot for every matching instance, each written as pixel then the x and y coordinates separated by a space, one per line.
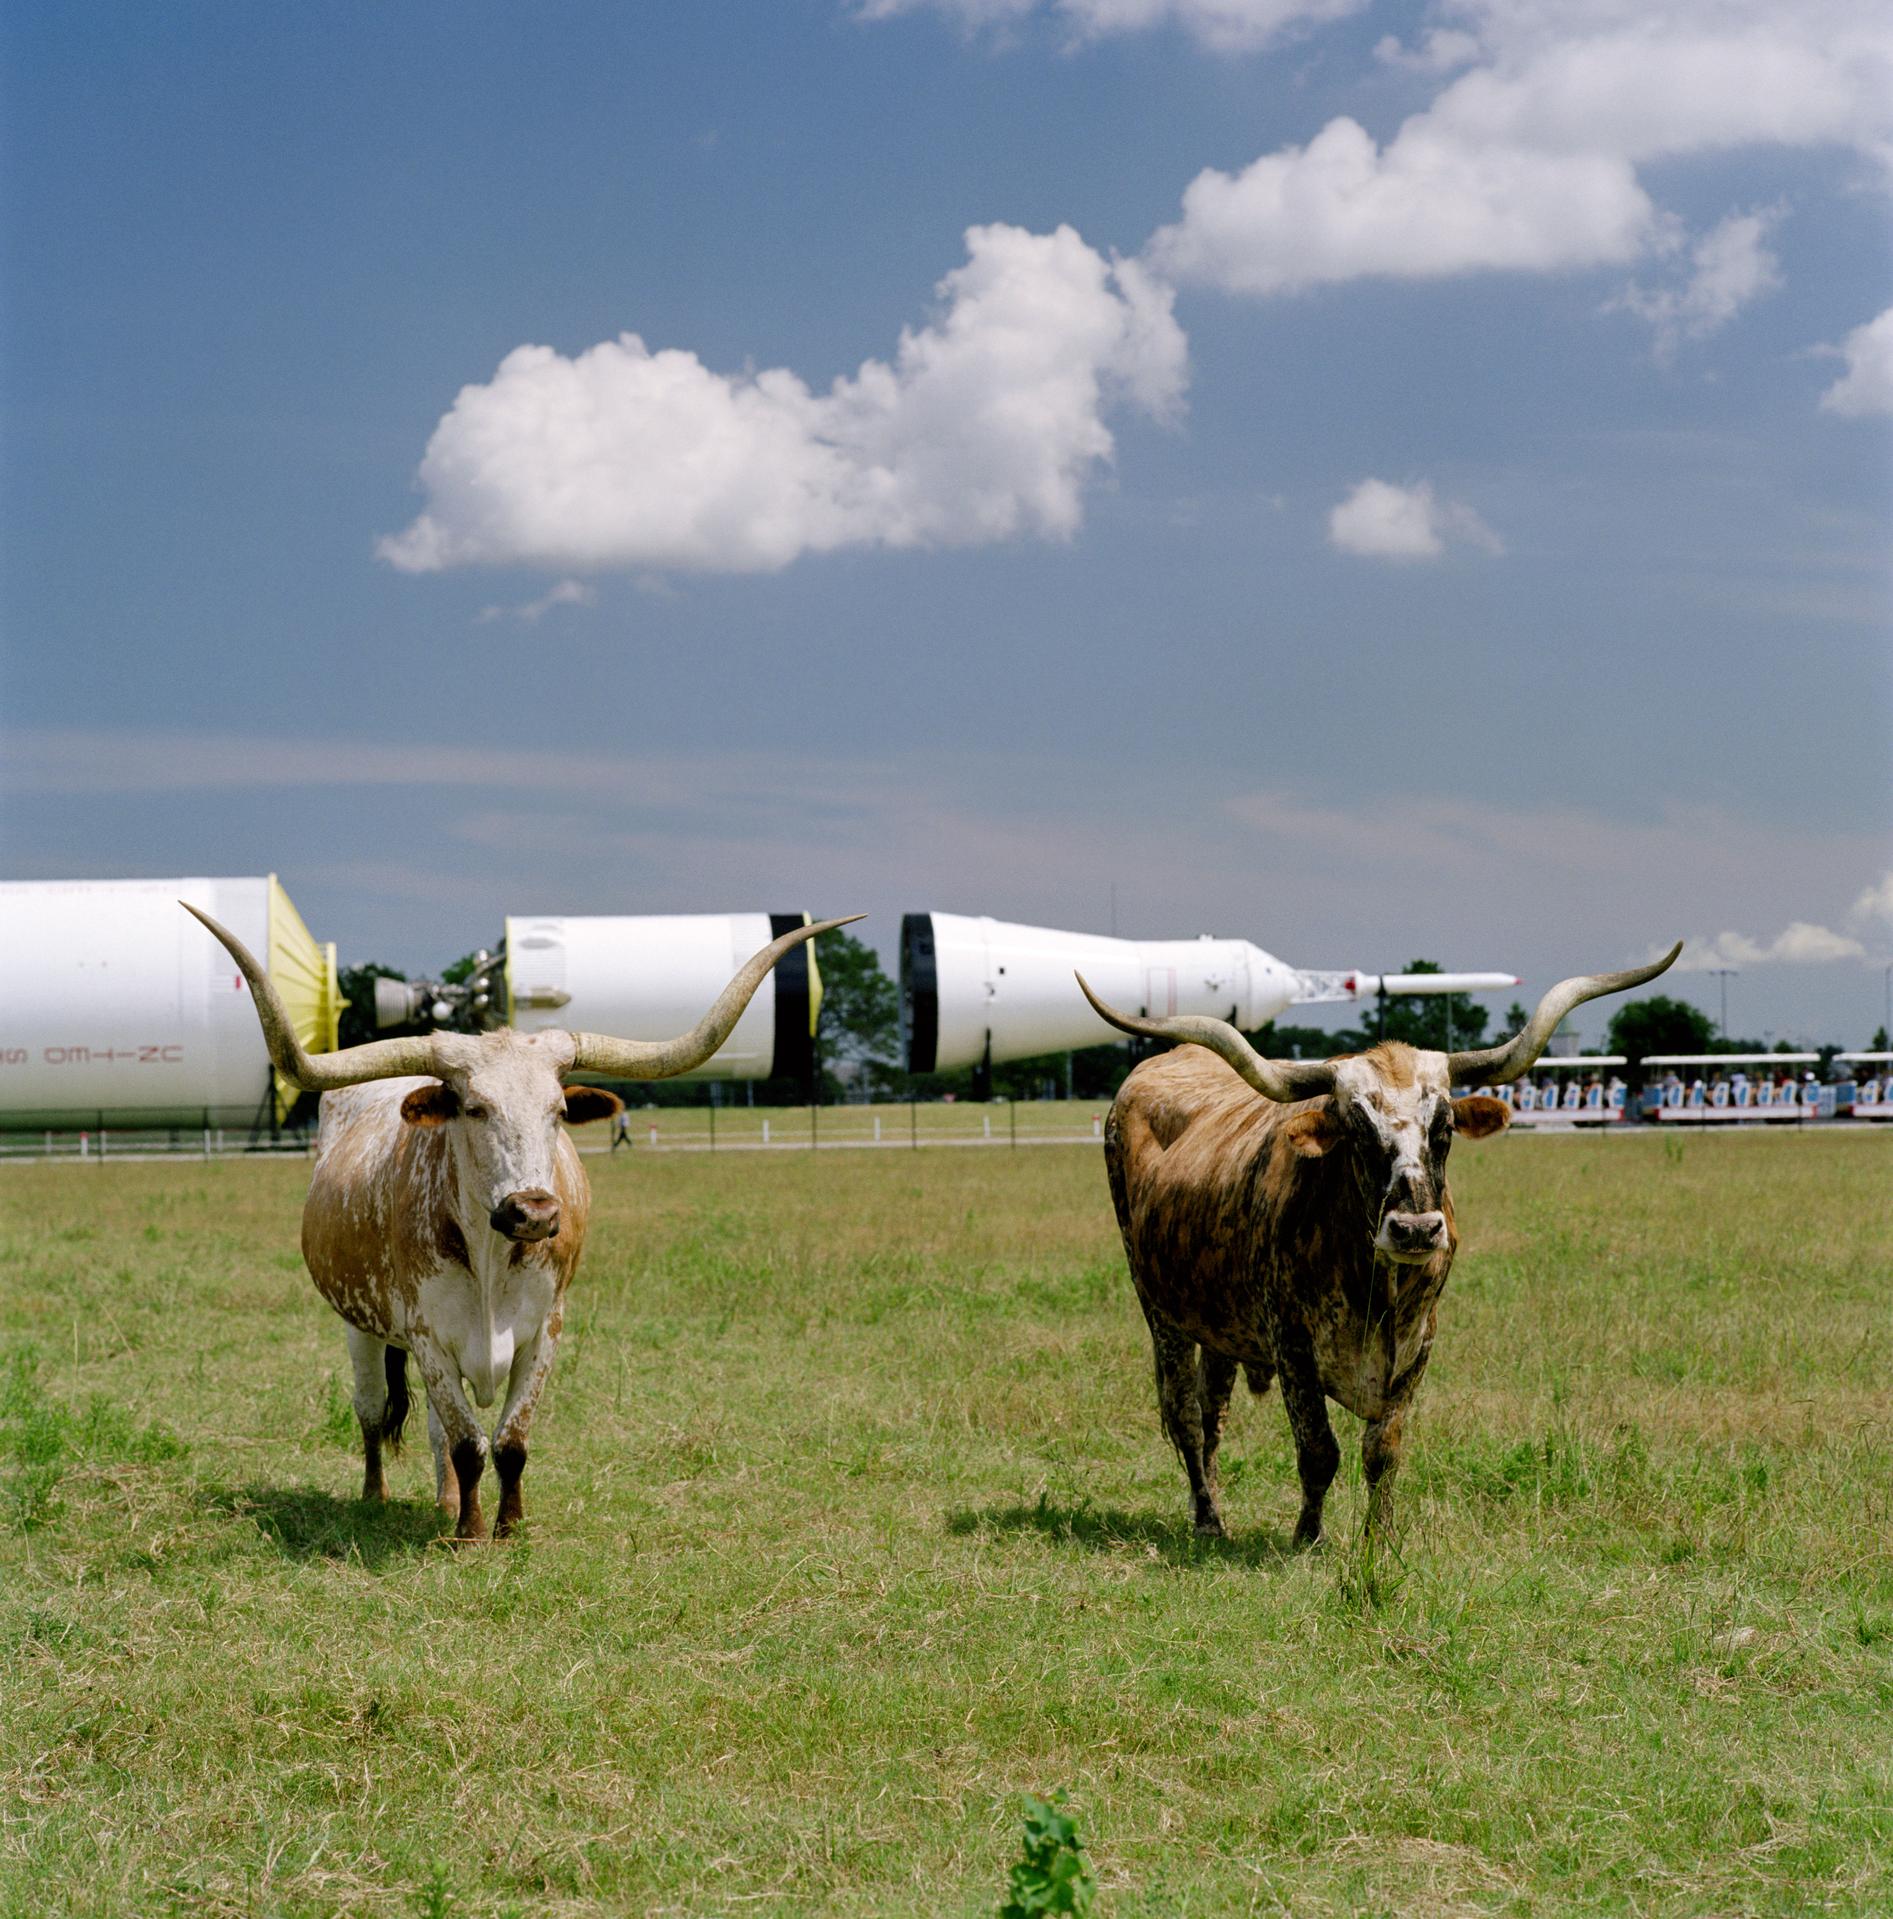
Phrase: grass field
pixel 850 1523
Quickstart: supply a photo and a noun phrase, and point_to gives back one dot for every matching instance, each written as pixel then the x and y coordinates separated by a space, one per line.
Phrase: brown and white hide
pixel 445 1219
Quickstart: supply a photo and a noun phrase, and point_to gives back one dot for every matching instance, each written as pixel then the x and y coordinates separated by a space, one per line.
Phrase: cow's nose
pixel 531 1214
pixel 1415 1235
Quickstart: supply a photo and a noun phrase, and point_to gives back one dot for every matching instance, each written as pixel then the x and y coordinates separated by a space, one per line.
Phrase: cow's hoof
pixel 1211 1529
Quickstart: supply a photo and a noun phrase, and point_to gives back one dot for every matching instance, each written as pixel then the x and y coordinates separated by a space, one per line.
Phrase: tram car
pixel 1863 1085
pixel 1581 1089
pixel 1735 1089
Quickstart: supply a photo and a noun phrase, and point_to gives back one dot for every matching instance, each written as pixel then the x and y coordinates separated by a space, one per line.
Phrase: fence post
pixel 765 1132
pixel 877 1129
pixel 1012 1119
pixel 814 1126
pixel 913 1123
pixel 713 1125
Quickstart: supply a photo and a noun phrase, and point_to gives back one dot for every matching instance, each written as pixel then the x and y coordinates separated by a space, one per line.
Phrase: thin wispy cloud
pixel 1728 268
pixel 1229 26
pixel 1799 943
pixel 565 593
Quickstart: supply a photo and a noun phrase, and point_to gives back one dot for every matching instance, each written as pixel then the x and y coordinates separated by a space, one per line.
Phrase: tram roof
pixel 1581 1059
pixel 1731 1059
pixel 1866 1059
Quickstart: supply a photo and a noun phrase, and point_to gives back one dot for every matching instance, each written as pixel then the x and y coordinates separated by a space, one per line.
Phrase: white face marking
pixel 1402 1118
pixel 511 1102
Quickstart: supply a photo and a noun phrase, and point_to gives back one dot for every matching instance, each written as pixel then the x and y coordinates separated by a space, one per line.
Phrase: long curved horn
pixel 665 1058
pixel 1492 1065
pixel 314 1072
pixel 1278 1079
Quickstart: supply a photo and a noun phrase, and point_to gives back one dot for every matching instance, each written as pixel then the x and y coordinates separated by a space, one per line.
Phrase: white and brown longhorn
pixel 1306 1234
pixel 447 1211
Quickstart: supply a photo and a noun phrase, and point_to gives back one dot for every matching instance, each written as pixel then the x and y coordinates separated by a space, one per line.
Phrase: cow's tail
pixel 1258 1377
pixel 394 1366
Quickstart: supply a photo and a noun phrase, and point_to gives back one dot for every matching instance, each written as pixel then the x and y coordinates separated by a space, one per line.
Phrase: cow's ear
pixel 584 1103
pixel 1479 1115
pixel 1316 1131
pixel 431 1105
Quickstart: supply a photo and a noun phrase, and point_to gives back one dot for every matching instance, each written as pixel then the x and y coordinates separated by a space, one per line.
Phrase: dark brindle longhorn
pixel 1306 1234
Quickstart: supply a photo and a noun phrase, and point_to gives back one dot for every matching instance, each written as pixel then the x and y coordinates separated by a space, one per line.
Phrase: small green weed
pixel 1050 1874
pixel 433 1898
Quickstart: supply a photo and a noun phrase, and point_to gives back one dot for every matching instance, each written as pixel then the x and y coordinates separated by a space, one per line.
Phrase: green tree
pixel 1659 1024
pixel 358 1004
pixel 859 1025
pixel 1277 1041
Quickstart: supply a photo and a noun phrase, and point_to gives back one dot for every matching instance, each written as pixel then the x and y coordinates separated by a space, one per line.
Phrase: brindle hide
pixel 1308 1241
pixel 425 1229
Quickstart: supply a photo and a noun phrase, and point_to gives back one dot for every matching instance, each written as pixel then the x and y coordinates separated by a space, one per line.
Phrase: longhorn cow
pixel 447 1211
pixel 1305 1234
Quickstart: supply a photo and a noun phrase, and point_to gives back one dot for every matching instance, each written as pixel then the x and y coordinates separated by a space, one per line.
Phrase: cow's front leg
pixel 1381 1446
pixel 1175 1354
pixel 459 1444
pixel 1215 1381
pixel 531 1363
pixel 446 1482
pixel 1317 1457
pixel 1383 1443
pixel 367 1358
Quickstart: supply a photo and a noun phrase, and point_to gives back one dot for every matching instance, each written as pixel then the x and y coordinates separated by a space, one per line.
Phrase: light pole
pixel 1724 974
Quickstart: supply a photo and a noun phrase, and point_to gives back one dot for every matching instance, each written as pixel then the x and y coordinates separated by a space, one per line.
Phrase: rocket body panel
pixel 115 1003
pixel 999 985
pixel 652 976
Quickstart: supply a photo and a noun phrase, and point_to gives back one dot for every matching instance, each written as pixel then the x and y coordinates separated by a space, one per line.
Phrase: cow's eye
pixel 477 1112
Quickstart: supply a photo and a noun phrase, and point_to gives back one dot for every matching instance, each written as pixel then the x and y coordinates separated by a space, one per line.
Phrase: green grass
pixel 850 1525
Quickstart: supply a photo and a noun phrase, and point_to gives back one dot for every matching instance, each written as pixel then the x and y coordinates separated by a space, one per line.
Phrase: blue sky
pixel 1378 480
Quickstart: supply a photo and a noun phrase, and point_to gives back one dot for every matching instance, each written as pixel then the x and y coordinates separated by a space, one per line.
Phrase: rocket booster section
pixel 977 990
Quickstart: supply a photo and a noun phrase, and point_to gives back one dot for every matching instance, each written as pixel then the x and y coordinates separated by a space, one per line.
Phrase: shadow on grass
pixel 1110 1529
pixel 303 1522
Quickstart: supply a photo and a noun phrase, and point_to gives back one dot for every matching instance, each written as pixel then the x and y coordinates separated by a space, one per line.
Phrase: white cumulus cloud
pixel 1867 385
pixel 985 425
pixel 1730 266
pixel 1381 521
pixel 1529 160
pixel 1422 207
